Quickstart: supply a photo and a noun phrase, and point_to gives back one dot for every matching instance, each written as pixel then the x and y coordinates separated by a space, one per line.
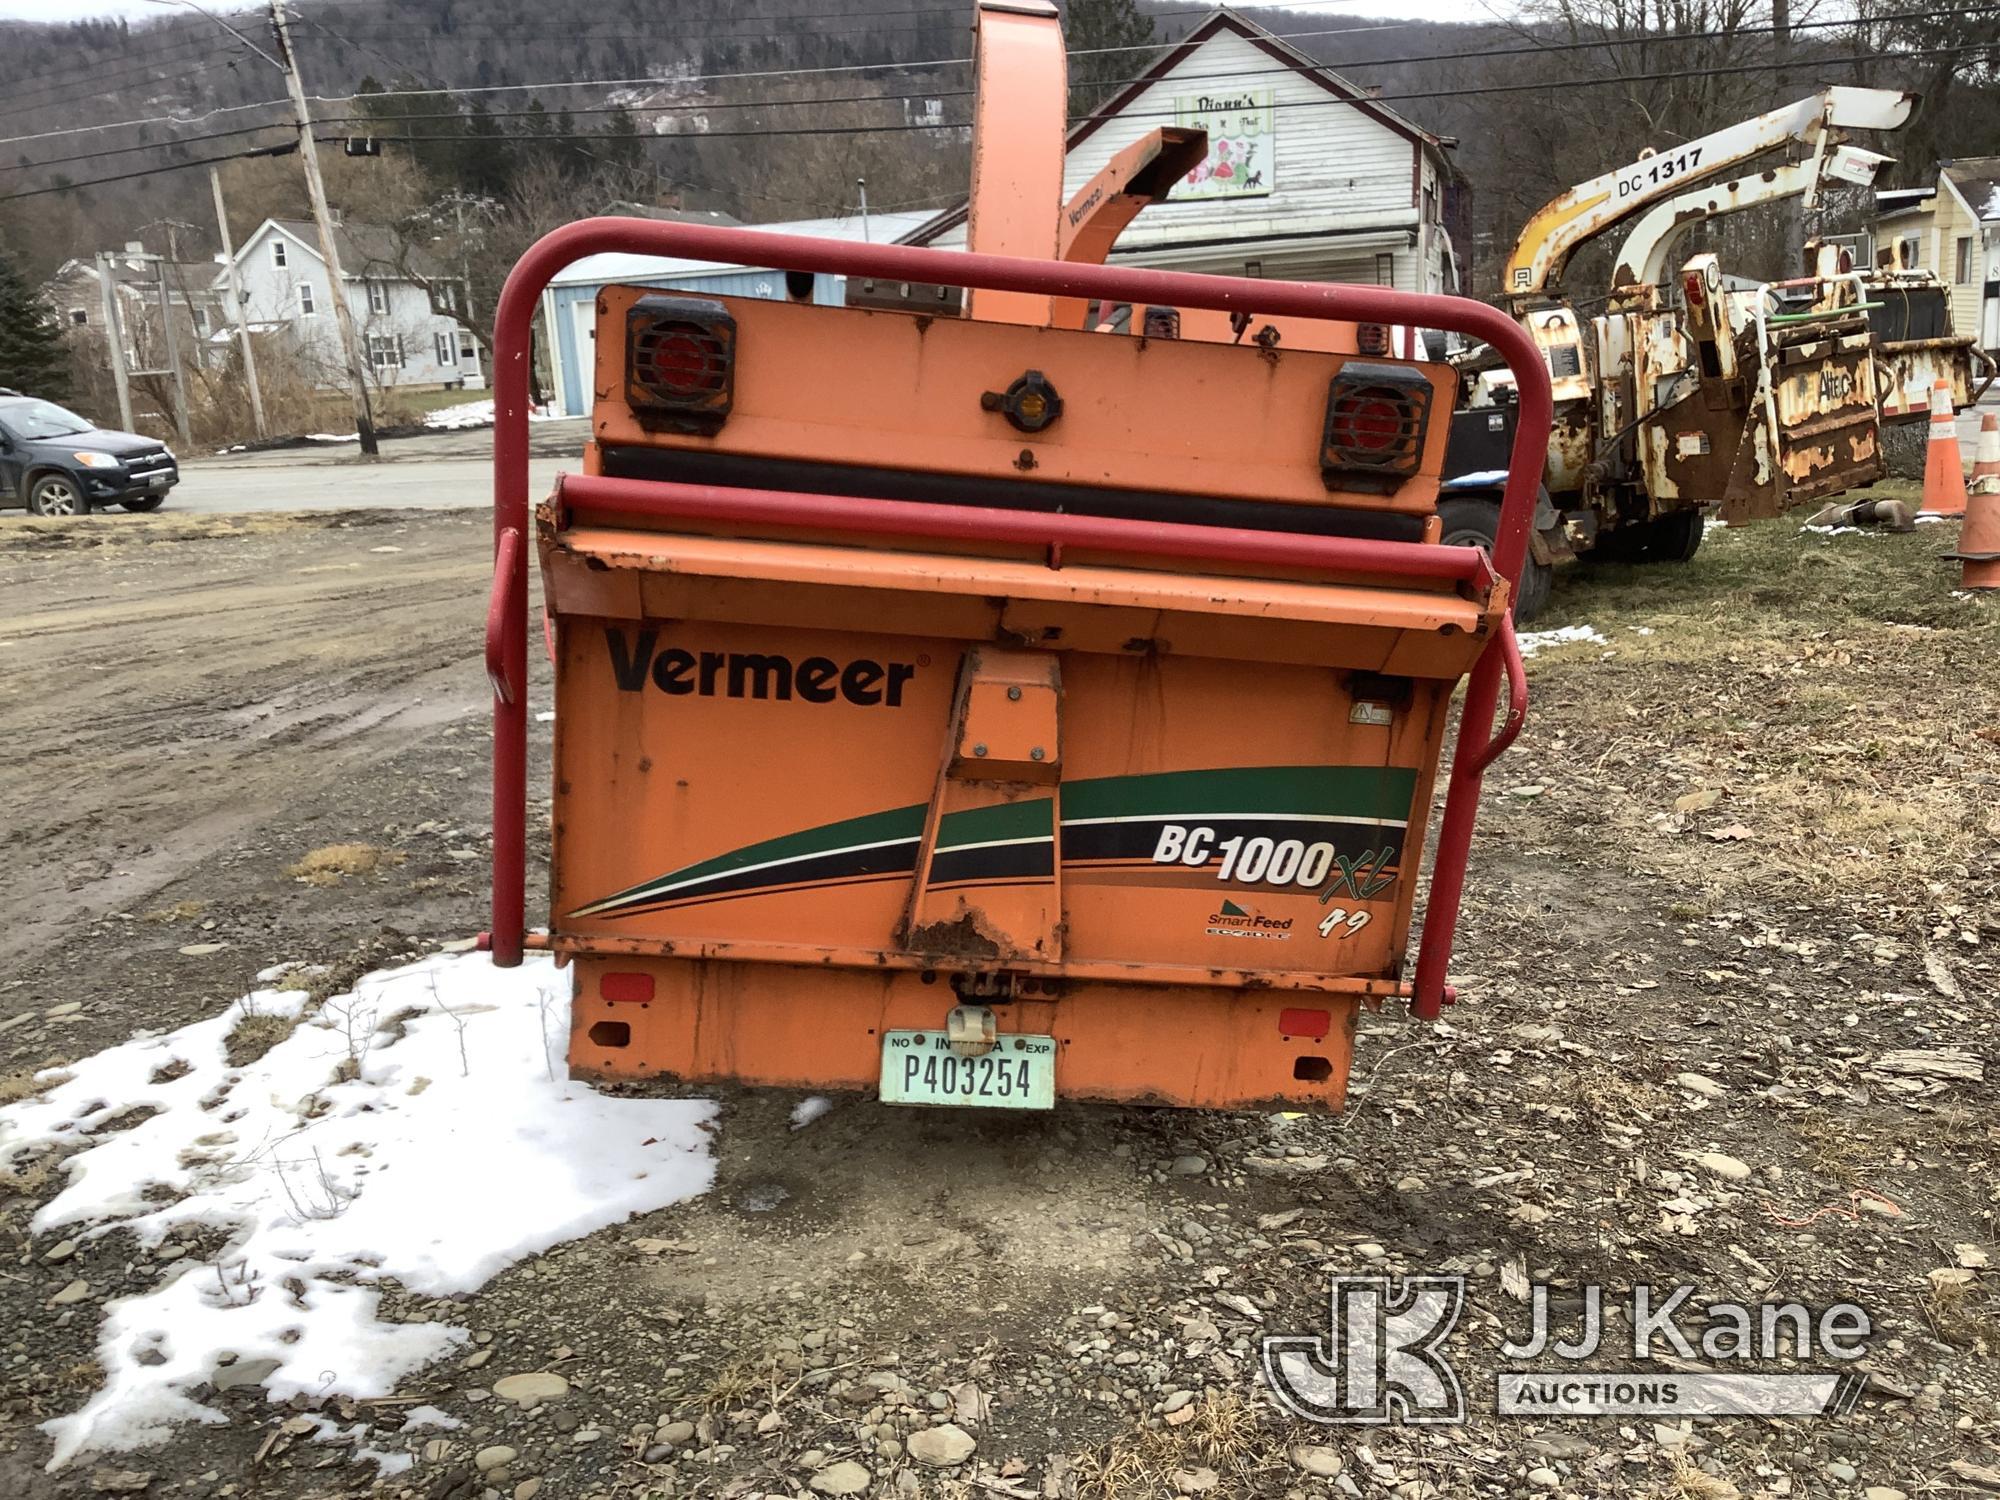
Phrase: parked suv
pixel 57 464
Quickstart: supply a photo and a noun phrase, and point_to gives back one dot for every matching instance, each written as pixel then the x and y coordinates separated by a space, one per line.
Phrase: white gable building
pixel 1307 178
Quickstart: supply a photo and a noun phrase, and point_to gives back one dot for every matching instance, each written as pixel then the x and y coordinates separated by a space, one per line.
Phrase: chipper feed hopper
pixel 984 711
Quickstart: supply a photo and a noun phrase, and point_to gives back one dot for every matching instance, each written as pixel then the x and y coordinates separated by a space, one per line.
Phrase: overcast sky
pixel 76 10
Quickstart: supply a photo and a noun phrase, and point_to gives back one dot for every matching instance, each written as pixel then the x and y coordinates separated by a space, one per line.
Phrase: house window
pixel 278 254
pixel 1253 268
pixel 1385 270
pixel 1912 251
pixel 447 348
pixel 1962 262
pixel 448 295
pixel 306 308
pixel 378 297
pixel 385 352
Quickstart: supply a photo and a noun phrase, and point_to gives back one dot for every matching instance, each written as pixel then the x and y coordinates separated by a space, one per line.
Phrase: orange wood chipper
pixel 985 710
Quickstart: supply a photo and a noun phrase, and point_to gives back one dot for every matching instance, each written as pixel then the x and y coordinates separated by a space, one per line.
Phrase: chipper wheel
pixel 1473 521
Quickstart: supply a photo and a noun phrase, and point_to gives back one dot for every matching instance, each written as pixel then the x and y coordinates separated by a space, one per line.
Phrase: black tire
pixel 1672 538
pixel 145 505
pixel 1676 536
pixel 57 495
pixel 1471 522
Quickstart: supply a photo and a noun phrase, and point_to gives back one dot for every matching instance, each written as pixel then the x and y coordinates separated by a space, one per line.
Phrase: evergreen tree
pixel 1089 27
pixel 622 146
pixel 33 360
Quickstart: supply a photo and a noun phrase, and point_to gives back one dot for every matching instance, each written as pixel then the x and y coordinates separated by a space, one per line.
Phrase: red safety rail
pixel 507 618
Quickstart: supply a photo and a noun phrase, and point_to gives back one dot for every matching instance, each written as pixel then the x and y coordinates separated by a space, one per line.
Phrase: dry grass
pixel 1225 1435
pixel 179 911
pixel 1689 1481
pixel 25 1083
pixel 1830 687
pixel 1960 1308
pixel 27 1180
pixel 333 863
pixel 1833 1149
pixel 253 1035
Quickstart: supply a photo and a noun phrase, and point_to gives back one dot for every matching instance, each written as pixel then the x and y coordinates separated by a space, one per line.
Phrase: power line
pixel 183 140
pixel 1473 54
pixel 704 106
pixel 286 149
pixel 1571 82
pixel 227 109
pixel 99 84
pixel 1617 81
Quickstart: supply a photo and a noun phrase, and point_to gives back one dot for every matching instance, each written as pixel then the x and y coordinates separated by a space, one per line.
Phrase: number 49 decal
pixel 1340 922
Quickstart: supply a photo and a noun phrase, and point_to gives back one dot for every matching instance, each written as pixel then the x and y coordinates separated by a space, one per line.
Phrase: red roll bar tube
pixel 513 320
pixel 912 518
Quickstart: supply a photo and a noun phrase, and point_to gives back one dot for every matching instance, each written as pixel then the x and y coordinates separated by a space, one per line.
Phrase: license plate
pixel 919 1067
pixel 158 481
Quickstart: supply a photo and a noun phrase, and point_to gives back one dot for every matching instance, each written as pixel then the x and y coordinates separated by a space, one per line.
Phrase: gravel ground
pixel 1728 967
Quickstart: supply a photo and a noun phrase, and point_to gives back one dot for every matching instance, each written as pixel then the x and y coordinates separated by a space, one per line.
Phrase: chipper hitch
pixel 985 713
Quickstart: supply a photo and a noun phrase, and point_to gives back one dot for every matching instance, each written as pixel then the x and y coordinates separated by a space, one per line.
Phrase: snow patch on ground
pixel 1563 635
pixel 422 1128
pixel 477 414
pixel 809 1109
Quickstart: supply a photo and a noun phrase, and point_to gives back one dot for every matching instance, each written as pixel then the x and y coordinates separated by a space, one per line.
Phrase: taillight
pixel 1376 416
pixel 680 363
pixel 1161 323
pixel 1372 338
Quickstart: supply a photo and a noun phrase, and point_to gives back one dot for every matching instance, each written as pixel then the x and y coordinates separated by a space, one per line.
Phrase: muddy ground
pixel 1728 966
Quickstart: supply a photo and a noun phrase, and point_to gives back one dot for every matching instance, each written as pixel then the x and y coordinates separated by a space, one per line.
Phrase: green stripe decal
pixel 1027 819
pixel 859 846
pixel 1329 791
pixel 898 824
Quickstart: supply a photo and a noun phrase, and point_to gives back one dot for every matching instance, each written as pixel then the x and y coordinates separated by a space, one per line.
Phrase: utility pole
pixel 343 316
pixel 170 344
pixel 114 340
pixel 1791 214
pixel 862 184
pixel 237 313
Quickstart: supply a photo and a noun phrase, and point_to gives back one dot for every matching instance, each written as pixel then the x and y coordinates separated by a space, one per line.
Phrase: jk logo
pixel 1379 1360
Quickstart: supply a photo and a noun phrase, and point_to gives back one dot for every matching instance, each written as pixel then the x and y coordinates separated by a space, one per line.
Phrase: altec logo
pixel 752 674
pixel 1234 921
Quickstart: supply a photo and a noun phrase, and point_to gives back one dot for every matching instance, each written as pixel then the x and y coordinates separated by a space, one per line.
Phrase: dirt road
pixel 195 703
pixel 1733 902
pixel 436 471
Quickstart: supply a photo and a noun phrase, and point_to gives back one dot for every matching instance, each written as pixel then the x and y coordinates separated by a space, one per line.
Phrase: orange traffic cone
pixel 1944 471
pixel 1979 537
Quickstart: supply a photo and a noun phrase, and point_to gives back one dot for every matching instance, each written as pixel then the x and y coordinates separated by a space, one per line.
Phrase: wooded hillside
pixel 770 109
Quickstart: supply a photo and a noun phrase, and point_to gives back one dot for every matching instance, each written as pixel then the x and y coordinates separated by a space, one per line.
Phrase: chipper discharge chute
pixel 990 713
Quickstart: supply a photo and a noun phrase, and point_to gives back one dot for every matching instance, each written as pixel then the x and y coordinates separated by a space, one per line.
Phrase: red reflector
pixel 1366 421
pixel 1313 1023
pixel 626 987
pixel 1376 419
pixel 683 359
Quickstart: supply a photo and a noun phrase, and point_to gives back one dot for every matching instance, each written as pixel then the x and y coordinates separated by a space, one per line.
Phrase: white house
pixel 76 293
pixel 405 339
pixel 1952 227
pixel 1307 178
